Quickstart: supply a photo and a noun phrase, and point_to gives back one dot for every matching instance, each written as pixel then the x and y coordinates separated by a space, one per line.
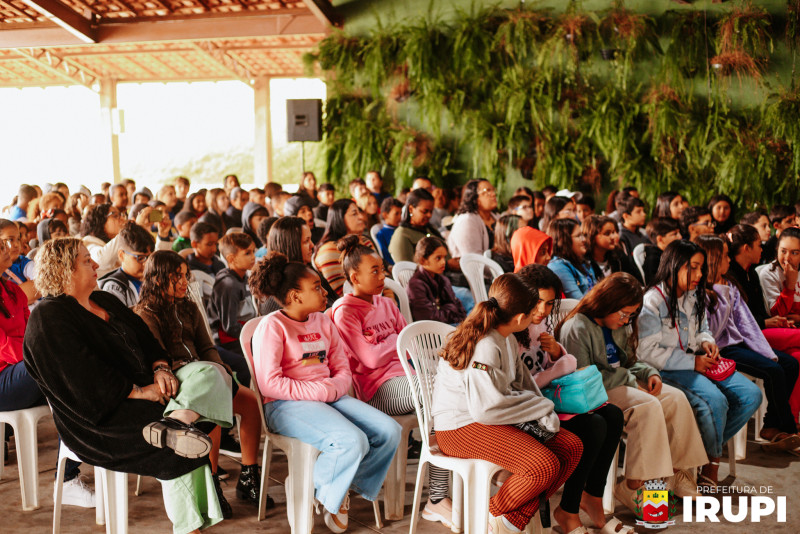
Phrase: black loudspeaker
pixel 304 120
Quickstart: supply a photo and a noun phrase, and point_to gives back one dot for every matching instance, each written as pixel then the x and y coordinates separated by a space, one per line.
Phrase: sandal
pixel 782 441
pixel 613 525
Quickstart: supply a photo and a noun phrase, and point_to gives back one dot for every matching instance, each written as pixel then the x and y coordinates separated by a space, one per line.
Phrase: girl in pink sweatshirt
pixel 369 324
pixel 303 373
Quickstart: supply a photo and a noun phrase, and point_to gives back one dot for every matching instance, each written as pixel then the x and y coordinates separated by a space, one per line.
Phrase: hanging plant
pixel 627 36
pixel 745 28
pixel 519 34
pixel 781 119
pixel 380 58
pixel 573 38
pixel 793 31
pixel 668 122
pixel 738 63
pixel 341 53
pixel 690 45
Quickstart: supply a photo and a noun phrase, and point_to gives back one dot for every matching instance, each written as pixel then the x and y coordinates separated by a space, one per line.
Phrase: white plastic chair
pixel 111 495
pixel 638 257
pixel 422 341
pixel 394 487
pixel 25 436
pixel 402 271
pixel 373 232
pixel 205 282
pixel 300 456
pixel 566 306
pixel 473 266
pixel 487 253
pixel 402 298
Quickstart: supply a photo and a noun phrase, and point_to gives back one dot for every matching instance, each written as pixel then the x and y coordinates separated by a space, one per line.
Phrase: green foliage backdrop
pixel 689 100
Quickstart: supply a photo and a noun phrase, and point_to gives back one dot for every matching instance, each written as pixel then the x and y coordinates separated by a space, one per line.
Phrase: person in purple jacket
pixel 740 339
pixel 429 292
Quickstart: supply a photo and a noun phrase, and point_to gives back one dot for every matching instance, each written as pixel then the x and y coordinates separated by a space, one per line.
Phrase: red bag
pixel 722 370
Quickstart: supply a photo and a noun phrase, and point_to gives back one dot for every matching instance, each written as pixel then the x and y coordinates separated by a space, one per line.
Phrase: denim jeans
pixel 356 442
pixel 721 408
pixel 779 379
pixel 18 390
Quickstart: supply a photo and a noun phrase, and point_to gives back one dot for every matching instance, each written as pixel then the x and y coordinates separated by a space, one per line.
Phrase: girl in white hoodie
pixel 483 391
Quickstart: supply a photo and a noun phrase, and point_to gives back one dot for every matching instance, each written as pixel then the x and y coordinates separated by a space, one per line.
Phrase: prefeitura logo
pixel 655 505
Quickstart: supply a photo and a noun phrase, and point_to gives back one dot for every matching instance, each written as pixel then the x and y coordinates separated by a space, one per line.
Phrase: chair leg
pixel 376 509
pixel 477 492
pixel 266 461
pixel 608 493
pixel 421 472
pixel 732 456
pixel 3 439
pixel 301 489
pixel 394 485
pixel 138 490
pixel 459 501
pixel 116 502
pixel 28 461
pixel 100 495
pixel 59 484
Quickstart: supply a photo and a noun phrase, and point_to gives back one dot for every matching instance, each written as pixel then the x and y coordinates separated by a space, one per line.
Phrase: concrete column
pixel 262 151
pixel 108 113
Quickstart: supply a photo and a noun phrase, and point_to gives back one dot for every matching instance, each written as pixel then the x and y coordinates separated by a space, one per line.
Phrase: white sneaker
pixel 338 522
pixel 77 493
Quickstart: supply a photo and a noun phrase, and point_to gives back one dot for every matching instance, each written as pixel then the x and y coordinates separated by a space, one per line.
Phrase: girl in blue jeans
pixel 675 339
pixel 303 374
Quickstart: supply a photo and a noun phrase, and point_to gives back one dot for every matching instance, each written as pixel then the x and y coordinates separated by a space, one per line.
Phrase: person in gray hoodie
pixel 486 406
pixel 252 215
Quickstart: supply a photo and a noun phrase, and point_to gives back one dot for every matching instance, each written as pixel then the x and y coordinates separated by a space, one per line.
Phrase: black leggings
pixel 599 432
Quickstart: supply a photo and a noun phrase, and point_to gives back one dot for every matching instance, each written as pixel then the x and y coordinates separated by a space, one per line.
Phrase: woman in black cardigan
pixel 107 380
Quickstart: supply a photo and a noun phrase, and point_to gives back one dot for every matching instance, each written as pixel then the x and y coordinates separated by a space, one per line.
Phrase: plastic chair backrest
pixel 402 298
pixel 638 257
pixel 205 282
pixel 196 296
pixel 487 253
pixel 373 232
pixel 246 339
pixel 473 266
pixel 566 306
pixel 421 342
pixel 403 271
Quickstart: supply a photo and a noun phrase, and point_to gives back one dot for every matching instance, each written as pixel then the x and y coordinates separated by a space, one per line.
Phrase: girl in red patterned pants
pixel 486 406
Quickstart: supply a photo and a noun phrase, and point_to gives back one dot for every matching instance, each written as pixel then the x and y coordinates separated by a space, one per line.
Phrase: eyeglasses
pixel 523 208
pixel 141 258
pixel 711 224
pixel 628 316
pixel 487 191
pixel 114 214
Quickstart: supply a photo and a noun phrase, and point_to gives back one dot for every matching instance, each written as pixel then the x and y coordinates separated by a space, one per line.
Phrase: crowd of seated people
pixel 670 310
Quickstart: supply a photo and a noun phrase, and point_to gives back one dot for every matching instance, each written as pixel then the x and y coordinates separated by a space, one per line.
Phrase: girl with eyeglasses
pixel 602 330
pixel 674 337
pixel 599 430
pixel 740 339
pixel 473 228
pixel 569 258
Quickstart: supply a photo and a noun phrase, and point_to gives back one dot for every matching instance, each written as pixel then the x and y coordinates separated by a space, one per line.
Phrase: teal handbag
pixel 579 392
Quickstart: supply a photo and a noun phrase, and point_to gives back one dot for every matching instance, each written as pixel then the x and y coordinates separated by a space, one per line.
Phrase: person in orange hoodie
pixel 529 245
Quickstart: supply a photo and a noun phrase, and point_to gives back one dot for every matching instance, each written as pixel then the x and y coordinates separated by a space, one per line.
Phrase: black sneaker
pixel 414 449
pixel 222 474
pixel 248 488
pixel 185 440
pixel 225 506
pixel 229 446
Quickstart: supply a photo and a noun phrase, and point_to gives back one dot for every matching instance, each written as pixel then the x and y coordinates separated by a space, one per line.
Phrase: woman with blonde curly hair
pixel 115 384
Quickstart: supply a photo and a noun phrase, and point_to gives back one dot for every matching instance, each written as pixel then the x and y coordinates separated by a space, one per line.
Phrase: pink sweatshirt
pixel 296 360
pixel 370 332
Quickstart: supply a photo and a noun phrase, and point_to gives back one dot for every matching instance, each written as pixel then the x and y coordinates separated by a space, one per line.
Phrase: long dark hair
pixel 540 277
pixel 591 228
pixel 504 228
pixel 335 228
pixel 551 209
pixel 414 198
pixel 714 246
pixel 469 196
pixel 285 237
pixel 789 232
pixel 611 294
pixel 94 222
pixel 508 296
pixel 741 235
pixel 662 204
pixel 160 272
pixel 560 230
pixel 722 227
pixel 676 255
pixel 6 283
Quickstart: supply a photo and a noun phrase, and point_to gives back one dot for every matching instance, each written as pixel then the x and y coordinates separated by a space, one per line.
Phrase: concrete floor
pixel 781 472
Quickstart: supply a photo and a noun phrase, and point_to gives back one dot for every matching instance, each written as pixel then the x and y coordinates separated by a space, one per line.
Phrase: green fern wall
pixel 696 97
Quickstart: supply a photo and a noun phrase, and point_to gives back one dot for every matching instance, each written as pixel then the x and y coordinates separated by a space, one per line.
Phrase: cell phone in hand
pixel 156 216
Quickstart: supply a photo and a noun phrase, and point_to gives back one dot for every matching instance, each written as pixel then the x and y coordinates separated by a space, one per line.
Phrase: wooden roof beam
pixel 221 58
pixel 324 11
pixel 65 17
pixel 54 64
